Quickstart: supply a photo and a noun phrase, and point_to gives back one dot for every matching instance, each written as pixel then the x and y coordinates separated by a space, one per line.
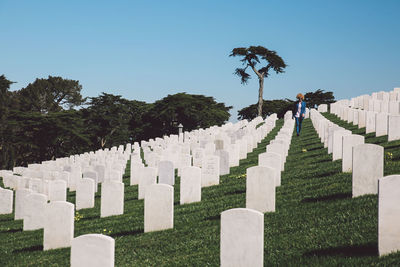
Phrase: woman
pixel 299 111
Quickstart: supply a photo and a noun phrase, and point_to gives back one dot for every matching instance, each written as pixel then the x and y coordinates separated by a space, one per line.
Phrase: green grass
pixel 392 151
pixel 316 221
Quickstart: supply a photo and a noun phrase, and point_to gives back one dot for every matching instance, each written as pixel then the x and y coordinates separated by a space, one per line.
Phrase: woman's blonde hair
pixel 300 96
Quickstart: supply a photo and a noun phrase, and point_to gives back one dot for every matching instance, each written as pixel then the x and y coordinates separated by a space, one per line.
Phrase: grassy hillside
pixel 316 221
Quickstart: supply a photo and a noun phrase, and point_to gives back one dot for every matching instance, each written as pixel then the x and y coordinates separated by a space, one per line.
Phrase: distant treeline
pixel 280 106
pixel 49 119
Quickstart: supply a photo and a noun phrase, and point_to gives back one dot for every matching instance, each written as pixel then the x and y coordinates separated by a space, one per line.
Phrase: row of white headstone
pixel 388 102
pixel 373 113
pixel 366 162
pixel 242 229
pixel 158 197
pixel 159 212
pixel 57 217
pixel 51 179
pixel 35 179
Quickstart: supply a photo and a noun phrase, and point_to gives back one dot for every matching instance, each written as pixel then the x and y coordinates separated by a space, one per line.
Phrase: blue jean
pixel 298 124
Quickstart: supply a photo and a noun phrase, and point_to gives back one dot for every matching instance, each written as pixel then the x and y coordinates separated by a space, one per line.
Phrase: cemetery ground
pixel 317 222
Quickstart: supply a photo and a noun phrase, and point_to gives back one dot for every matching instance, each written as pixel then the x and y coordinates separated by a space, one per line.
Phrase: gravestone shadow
pixel 6 219
pixel 11 230
pixel 29 249
pixel 332 197
pixel 124 233
pixel 370 249
pixel 213 218
pixel 240 191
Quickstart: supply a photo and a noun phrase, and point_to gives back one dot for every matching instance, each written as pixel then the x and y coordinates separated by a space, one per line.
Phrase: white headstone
pixel 367 169
pixel 65 177
pixel 190 188
pixel 115 175
pixel 85 194
pixel 279 149
pixel 136 169
pixel 350 115
pixel 210 171
pixel 147 178
pixel 198 155
pixel 337 143
pixel 349 141
pixel 91 175
pixel 260 188
pixel 6 201
pixel 323 108
pixel 362 119
pixel 158 208
pixel 209 149
pixel 36 185
pixel 101 172
pixel 20 195
pixel 59 225
pixel 394 107
pixel 377 105
pixel 166 172
pixel 272 160
pixel 219 144
pixel 223 161
pixel 92 250
pixel 393 127
pixel 381 124
pixel 234 152
pixel 112 198
pixel 74 177
pixel 389 215
pixel 370 120
pixel 57 190
pixel 355 117
pixel 242 238
pixel 185 160
pixel 34 211
pixel 243 149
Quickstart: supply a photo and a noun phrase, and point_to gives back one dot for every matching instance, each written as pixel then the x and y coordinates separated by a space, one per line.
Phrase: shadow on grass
pixel 7 219
pixel 316 148
pixel 90 217
pixel 240 191
pixel 29 249
pixel 392 146
pixel 308 156
pixel 133 232
pixel 11 231
pixel 324 160
pixel 326 174
pixel 370 249
pixel 327 198
pixel 131 199
pixel 213 218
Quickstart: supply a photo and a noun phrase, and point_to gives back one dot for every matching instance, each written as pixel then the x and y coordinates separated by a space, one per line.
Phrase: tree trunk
pixel 260 95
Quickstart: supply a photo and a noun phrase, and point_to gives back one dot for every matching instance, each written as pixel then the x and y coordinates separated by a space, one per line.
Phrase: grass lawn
pixel 316 221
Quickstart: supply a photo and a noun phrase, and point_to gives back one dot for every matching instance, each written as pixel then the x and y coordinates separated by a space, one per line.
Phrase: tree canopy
pixel 111 119
pixel 50 95
pixel 252 56
pixel 318 97
pixel 39 123
pixel 280 106
pixel 192 111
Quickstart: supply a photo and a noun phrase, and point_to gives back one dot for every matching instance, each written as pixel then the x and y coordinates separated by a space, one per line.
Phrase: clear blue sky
pixel 145 50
